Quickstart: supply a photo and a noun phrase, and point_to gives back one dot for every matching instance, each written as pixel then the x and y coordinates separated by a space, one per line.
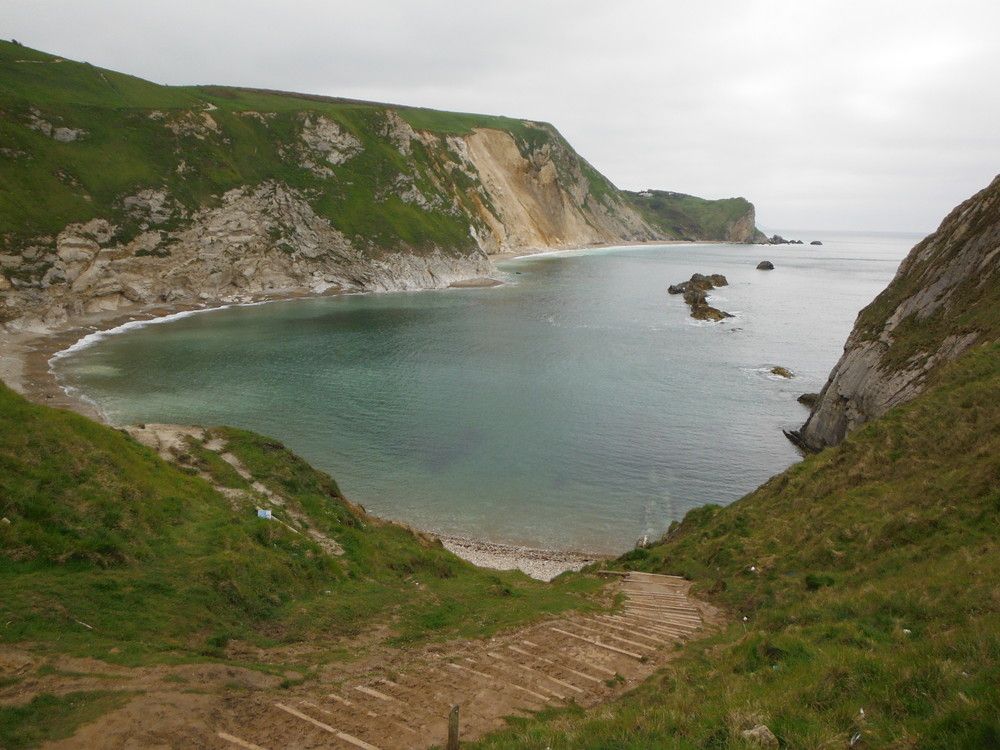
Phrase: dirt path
pixel 386 698
pixel 404 703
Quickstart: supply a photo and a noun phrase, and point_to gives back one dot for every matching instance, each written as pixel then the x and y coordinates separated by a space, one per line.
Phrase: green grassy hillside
pixel 687 217
pixel 99 531
pixel 129 144
pixel 77 140
pixel 864 578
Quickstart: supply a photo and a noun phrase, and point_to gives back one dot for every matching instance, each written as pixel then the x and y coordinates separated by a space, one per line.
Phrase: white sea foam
pixel 92 338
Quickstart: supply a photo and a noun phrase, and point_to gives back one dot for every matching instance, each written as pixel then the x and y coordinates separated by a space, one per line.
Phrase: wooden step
pixel 605 646
pixel 348 738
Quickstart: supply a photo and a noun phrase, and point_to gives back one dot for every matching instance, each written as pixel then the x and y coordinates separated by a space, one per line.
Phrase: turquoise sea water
pixel 578 406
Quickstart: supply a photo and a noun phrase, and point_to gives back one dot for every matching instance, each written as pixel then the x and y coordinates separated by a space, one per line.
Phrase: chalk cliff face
pixel 944 299
pixel 122 193
pixel 543 198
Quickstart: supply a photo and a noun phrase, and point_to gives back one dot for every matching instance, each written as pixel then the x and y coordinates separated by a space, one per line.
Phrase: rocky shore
pixel 538 563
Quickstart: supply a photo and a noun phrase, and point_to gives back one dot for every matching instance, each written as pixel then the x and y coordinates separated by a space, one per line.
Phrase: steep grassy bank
pixel 863 579
pixel 107 550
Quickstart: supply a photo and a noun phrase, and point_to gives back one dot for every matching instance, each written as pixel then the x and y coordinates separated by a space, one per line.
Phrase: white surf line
pixel 348 738
pixel 593 642
pixel 578 660
pixel 555 664
pixel 238 742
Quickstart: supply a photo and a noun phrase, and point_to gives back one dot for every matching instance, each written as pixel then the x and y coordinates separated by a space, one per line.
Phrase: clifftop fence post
pixel 452 729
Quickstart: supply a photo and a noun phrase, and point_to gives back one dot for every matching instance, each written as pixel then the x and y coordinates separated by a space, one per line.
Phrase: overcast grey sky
pixel 826 114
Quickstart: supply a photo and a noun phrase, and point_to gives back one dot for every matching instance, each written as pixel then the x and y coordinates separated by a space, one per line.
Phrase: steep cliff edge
pixel 116 193
pixel 944 299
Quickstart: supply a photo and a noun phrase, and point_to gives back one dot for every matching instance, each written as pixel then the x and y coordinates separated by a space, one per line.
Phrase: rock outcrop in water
pixel 943 300
pixel 694 291
pixel 239 193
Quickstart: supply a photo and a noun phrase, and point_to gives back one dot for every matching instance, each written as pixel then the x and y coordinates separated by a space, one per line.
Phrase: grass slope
pixel 865 577
pixel 99 530
pixel 683 217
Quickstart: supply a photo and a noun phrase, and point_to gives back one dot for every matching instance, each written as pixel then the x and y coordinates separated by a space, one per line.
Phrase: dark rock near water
pixel 695 296
pixel 765 265
pixel 815 242
pixel 700 282
pixel 782 372
pixel 808 399
pixel 705 311
pixel 694 291
pixel 777 239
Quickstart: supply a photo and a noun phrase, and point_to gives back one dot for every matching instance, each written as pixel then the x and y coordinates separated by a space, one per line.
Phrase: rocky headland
pixel 942 302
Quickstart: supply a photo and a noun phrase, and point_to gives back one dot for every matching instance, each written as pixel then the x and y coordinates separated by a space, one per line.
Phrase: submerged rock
pixel 815 242
pixel 782 372
pixel 765 265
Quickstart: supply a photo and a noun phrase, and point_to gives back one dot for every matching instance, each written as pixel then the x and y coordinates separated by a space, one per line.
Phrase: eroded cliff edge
pixel 120 193
pixel 944 299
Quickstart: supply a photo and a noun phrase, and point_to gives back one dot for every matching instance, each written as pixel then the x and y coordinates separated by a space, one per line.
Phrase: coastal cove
pixel 577 407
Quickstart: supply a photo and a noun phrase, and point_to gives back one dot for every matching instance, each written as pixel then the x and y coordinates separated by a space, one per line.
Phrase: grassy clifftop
pixel 99 531
pixel 687 217
pixel 862 585
pixel 197 142
pixel 79 140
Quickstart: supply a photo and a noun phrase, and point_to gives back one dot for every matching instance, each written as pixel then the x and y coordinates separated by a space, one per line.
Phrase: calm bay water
pixel 578 406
